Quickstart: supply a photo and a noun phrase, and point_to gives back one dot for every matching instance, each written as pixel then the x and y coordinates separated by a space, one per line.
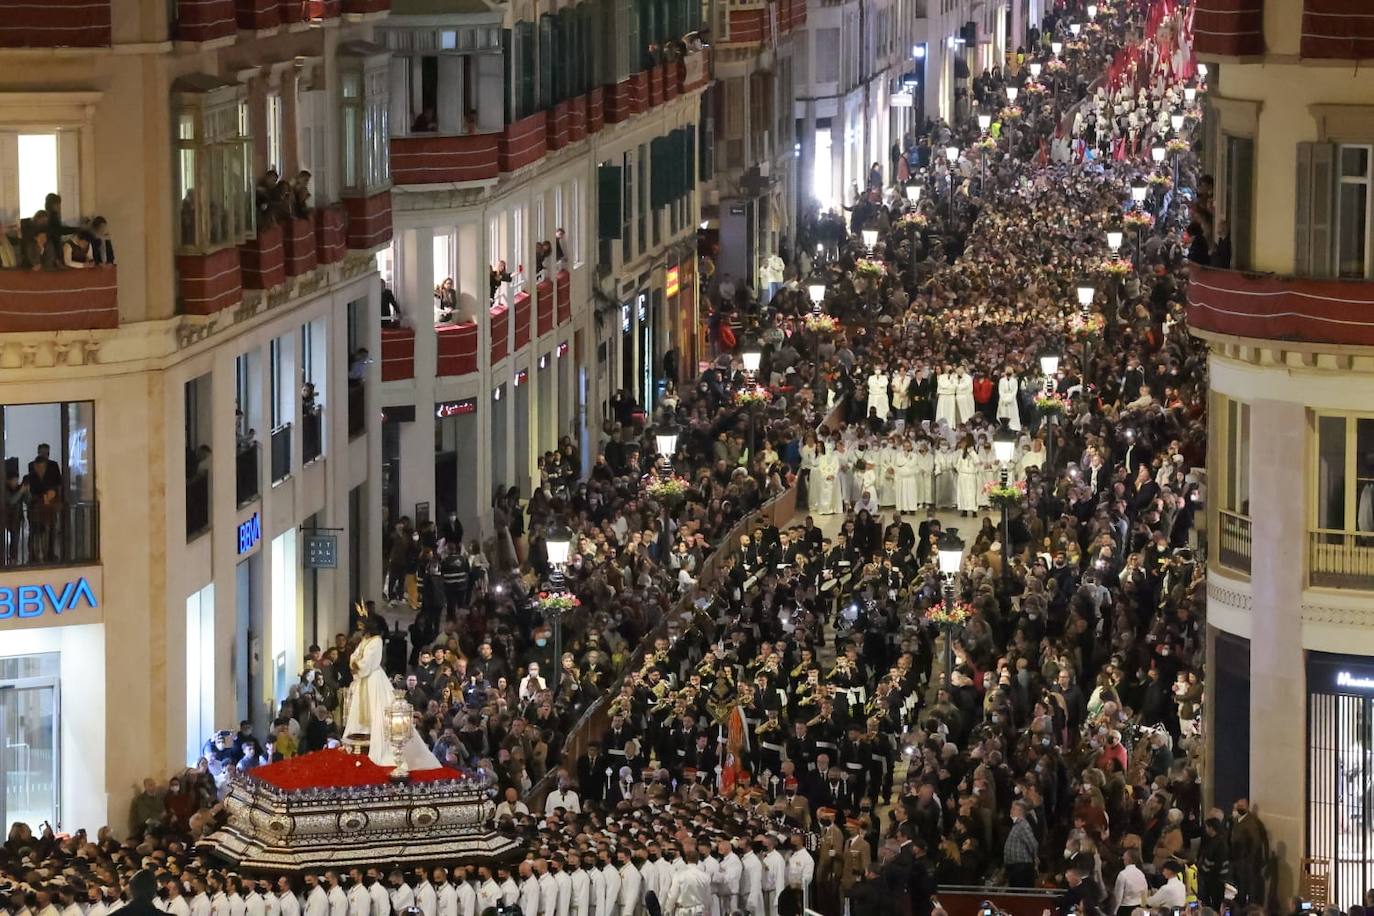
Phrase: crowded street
pixel 902 597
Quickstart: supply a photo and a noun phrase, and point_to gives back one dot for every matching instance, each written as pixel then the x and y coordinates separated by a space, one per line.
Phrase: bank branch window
pixel 213 161
pixel 29 729
pixel 1340 807
pixel 50 511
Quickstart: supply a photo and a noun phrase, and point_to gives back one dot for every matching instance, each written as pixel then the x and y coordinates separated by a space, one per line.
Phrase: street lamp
pixel 1157 154
pixel 1012 93
pixel 816 291
pixel 1092 10
pixel 1190 94
pixel 1139 190
pixel 951 154
pixel 557 543
pixel 1075 28
pixel 949 550
pixel 1056 47
pixel 1202 70
pixel 913 192
pixel 751 356
pixel 1035 70
pixel 870 237
pixel 984 122
pixel 665 437
pixel 1003 449
pixel 1086 292
pixel 1049 365
pixel 1114 239
pixel 1176 122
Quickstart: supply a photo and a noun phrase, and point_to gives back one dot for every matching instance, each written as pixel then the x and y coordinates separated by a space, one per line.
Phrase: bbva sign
pixel 25 602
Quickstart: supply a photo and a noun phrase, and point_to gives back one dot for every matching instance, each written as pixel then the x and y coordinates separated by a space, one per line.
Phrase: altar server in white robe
pixel 969 479
pixel 1008 390
pixel 963 394
pixel 887 473
pixel 924 461
pixel 877 393
pixel 825 484
pixel 946 408
pixel 905 477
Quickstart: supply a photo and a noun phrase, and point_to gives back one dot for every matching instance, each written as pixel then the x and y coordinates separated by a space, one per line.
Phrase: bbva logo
pixel 28 601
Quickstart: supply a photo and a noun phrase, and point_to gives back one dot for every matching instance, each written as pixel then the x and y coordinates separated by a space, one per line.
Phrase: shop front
pixel 1340 772
pixel 52 642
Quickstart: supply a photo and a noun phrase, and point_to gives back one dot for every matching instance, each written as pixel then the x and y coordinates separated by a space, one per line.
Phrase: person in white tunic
pixel 991 472
pixel 774 876
pixel 923 459
pixel 809 455
pixel 359 900
pixel 446 893
pixel 609 903
pixel 579 889
pixel 727 883
pixel 689 892
pixel 887 473
pixel 751 883
pixel 848 485
pixel 488 894
pixel 963 395
pixel 946 477
pixel 529 890
pixel 1032 457
pixel 901 394
pixel 866 477
pixel 369 699
pixel 825 484
pixel 467 895
pixel 946 409
pixel 425 897
pixel 969 477
pixel 800 869
pixel 319 902
pixel 905 476
pixel 877 394
pixel 711 868
pixel 1008 389
pixel 631 887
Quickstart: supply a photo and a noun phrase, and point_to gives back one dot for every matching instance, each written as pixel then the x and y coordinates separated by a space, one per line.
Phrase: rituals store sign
pixel 50 598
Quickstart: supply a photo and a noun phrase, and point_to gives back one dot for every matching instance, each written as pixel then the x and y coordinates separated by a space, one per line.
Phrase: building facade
pixel 206 509
pixel 1291 470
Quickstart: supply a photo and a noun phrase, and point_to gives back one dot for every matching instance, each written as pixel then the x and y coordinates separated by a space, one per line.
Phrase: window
pixel 1240 197
pixel 1345 473
pixel 627 206
pixel 34 164
pixel 1353 253
pixel 274 131
pixel 199 440
pixel 572 228
pixel 200 671
pixel 37 170
pixel 642 204
pixel 62 527
pixel 827 61
pixel 517 240
pixel 30 723
pixel 312 135
pixel 214 164
pixel 366 124
pixel 1237 458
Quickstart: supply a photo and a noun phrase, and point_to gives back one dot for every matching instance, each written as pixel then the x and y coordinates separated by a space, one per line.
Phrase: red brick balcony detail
pixel 360 7
pixel 500 330
pixel 258 14
pixel 1271 307
pixel 298 237
pixel 617 101
pixel 1230 28
pixel 55 24
pixel 639 92
pixel 293 11
pixel 331 239
pixel 433 160
pixel 543 306
pixel 556 127
pixel 264 259
pixel 695 71
pixel 577 119
pixel 596 110
pixel 369 220
pixel 208 283
pixel 457 349
pixel 522 143
pixel 668 74
pixel 205 20
pixel 58 300
pixel 1337 29
pixel 655 75
pixel 522 319
pixel 398 354
pixel 564 297
pixel 747 26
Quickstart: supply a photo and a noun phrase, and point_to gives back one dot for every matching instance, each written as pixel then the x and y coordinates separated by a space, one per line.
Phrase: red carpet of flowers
pixel 336 768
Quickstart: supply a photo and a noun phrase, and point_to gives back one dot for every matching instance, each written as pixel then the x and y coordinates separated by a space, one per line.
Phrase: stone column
pixel 1278 690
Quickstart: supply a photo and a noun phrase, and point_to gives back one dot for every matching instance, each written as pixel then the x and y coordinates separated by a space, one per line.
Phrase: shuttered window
pixel 608 204
pixel 1316 191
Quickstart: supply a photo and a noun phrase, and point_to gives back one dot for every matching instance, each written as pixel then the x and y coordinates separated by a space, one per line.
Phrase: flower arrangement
pixel 1178 145
pixel 915 219
pixel 1011 113
pixel 557 602
pixel 1159 180
pixel 1055 66
pixel 1051 403
pixel 1138 219
pixel 1116 267
pixel 822 324
pixel 1033 87
pixel 986 145
pixel 751 395
pixel 1086 325
pixel 1012 492
pixel 671 489
pixel 949 615
pixel 869 267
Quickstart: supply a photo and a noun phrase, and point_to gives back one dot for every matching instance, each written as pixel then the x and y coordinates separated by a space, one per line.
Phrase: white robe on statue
pixel 368 703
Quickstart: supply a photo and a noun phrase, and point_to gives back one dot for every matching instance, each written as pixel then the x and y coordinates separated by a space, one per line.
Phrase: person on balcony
pixel 300 195
pixel 101 244
pixel 445 302
pixel 76 252
pixel 45 493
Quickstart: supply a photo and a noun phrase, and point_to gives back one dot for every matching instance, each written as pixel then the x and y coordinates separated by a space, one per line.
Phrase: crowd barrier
pixel 595 720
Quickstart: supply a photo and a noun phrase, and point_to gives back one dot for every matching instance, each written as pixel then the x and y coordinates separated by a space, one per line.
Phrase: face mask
pixel 541 642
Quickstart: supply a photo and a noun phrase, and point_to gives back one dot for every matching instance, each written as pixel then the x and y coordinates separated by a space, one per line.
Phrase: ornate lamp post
pixel 913 192
pixel 1086 293
pixel 751 356
pixel 816 290
pixel 950 552
pixel 558 543
pixel 870 237
pixel 1035 69
pixel 951 156
pixel 1049 365
pixel 1003 449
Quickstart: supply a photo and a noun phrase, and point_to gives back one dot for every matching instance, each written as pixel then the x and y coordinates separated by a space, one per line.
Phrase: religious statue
pixel 369 706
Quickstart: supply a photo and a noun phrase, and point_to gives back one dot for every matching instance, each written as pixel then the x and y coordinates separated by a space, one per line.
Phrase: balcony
pixel 564 296
pixel 1337 30
pixel 210 282
pixel 294 11
pixel 56 24
pixel 398 354
pixel 596 110
pixel 1233 550
pixel 500 330
pixel 357 410
pixel 429 159
pixel 363 7
pixel 298 243
pixel 543 306
pixel 59 300
pixel 281 453
pixel 67 536
pixel 522 319
pixel 312 437
pixel 331 234
pixel 263 259
pixel 522 143
pixel 556 126
pixel 369 221
pixel 457 349
pixel 577 119
pixel 1272 307
pixel 197 505
pixel 205 20
pixel 248 473
pixel 1341 559
pixel 258 15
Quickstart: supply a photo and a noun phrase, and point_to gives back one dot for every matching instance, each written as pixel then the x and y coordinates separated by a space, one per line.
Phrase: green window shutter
pixel 545 72
pixel 608 204
pixel 1313 230
pixel 658 172
pixel 689 159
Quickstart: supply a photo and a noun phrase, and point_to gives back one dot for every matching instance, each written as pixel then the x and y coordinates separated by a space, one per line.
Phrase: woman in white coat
pixel 1008 388
pixel 825 483
pixel 877 394
pixel 945 394
pixel 968 471
pixel 904 475
pixel 963 395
